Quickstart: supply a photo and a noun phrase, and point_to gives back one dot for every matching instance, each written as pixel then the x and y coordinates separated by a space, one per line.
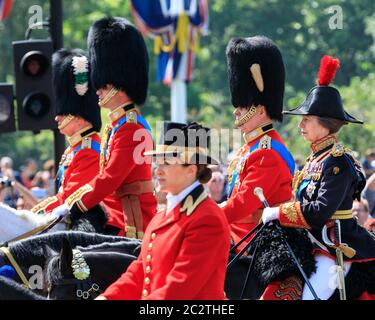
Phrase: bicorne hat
pixel 324 100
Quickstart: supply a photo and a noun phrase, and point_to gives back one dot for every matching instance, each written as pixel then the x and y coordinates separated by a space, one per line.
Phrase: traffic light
pixel 33 74
pixel 7 121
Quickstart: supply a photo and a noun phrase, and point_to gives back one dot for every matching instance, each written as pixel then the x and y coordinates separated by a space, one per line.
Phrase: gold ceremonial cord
pixel 103 145
pixel 15 265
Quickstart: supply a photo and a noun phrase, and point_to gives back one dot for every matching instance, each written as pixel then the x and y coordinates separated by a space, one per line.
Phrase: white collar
pixel 174 200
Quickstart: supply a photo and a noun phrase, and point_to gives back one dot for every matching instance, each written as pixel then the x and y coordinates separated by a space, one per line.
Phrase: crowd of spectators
pixel 23 188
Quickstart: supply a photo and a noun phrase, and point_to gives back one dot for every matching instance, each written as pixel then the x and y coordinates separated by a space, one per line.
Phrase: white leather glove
pixel 270 214
pixel 61 211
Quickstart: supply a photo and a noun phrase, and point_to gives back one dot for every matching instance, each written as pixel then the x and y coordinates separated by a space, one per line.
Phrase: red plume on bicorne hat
pixel 327 71
pixel 323 100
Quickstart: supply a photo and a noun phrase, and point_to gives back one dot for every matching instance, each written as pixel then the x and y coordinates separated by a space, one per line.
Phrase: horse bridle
pixel 82 279
pixel 83 288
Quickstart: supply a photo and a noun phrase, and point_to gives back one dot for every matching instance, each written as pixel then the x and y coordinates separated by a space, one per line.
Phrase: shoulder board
pixel 193 200
pixel 86 143
pixel 265 142
pixel 131 117
pixel 338 150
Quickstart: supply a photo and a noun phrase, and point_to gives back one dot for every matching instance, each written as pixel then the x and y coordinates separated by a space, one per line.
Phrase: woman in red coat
pixel 185 247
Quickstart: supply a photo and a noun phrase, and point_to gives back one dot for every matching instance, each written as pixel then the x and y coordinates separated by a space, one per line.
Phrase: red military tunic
pixel 263 168
pixel 122 164
pixel 79 165
pixel 184 255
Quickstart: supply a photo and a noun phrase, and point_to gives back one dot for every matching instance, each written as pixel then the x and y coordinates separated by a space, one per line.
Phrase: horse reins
pixel 16 266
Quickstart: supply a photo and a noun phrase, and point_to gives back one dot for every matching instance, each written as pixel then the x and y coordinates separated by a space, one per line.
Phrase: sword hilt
pixel 258 191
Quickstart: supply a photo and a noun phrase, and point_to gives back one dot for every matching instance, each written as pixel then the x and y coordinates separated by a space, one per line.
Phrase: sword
pixel 339 256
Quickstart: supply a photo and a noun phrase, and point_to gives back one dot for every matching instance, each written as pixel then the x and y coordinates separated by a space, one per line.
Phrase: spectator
pixel 368 162
pixel 45 179
pixel 28 172
pixel 9 195
pixel 360 211
pixel 299 161
pixel 216 187
pixel 369 194
pixel 370 225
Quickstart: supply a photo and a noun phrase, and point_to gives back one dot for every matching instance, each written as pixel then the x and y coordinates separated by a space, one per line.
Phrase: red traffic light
pixel 34 63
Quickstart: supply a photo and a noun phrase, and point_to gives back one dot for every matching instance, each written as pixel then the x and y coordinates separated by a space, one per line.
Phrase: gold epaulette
pixel 338 150
pixel 131 117
pixel 190 205
pixel 41 206
pixel 86 143
pixel 76 197
pixel 265 142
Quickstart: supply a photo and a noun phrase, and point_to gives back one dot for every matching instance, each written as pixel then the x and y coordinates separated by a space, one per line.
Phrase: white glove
pixel 61 211
pixel 270 214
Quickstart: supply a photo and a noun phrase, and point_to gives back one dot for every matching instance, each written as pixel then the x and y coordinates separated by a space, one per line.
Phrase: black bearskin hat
pixel 118 56
pixel 74 94
pixel 256 74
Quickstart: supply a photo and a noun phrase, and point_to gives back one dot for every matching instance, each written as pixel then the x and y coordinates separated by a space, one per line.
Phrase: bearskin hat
pixel 256 74
pixel 118 56
pixel 74 94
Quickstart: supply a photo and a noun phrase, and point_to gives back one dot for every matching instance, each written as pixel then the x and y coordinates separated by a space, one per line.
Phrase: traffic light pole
pixel 56 30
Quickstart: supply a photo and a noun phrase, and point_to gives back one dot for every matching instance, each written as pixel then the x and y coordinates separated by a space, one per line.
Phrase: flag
pixel 176 27
pixel 5 8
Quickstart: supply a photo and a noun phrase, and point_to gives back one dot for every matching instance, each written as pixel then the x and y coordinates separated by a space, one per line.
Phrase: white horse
pixel 16 223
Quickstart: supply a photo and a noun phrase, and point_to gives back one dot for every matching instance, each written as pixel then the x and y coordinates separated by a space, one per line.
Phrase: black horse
pixel 94 220
pixel 35 251
pixel 106 262
pixel 11 290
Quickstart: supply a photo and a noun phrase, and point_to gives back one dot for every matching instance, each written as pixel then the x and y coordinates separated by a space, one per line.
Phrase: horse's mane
pixel 34 249
pixel 11 290
pixel 126 245
pixel 128 249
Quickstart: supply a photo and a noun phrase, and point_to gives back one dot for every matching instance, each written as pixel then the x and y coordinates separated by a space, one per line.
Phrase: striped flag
pixel 176 27
pixel 5 8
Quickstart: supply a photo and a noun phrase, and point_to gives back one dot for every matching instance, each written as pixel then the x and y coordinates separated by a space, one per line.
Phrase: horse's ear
pixel 66 256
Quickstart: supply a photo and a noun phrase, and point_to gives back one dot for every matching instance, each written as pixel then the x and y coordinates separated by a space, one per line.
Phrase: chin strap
pixel 246 117
pixel 108 97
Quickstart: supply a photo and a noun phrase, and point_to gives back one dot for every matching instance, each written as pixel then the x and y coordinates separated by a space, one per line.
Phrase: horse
pixel 11 290
pixel 15 223
pixel 36 250
pixel 22 223
pixel 106 263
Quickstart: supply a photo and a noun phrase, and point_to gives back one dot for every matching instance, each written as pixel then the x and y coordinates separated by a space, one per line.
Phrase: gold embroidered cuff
pixel 76 197
pixel 290 215
pixel 41 206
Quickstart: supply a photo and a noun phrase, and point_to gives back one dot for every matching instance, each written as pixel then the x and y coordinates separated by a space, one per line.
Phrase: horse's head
pixel 94 220
pixel 75 274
